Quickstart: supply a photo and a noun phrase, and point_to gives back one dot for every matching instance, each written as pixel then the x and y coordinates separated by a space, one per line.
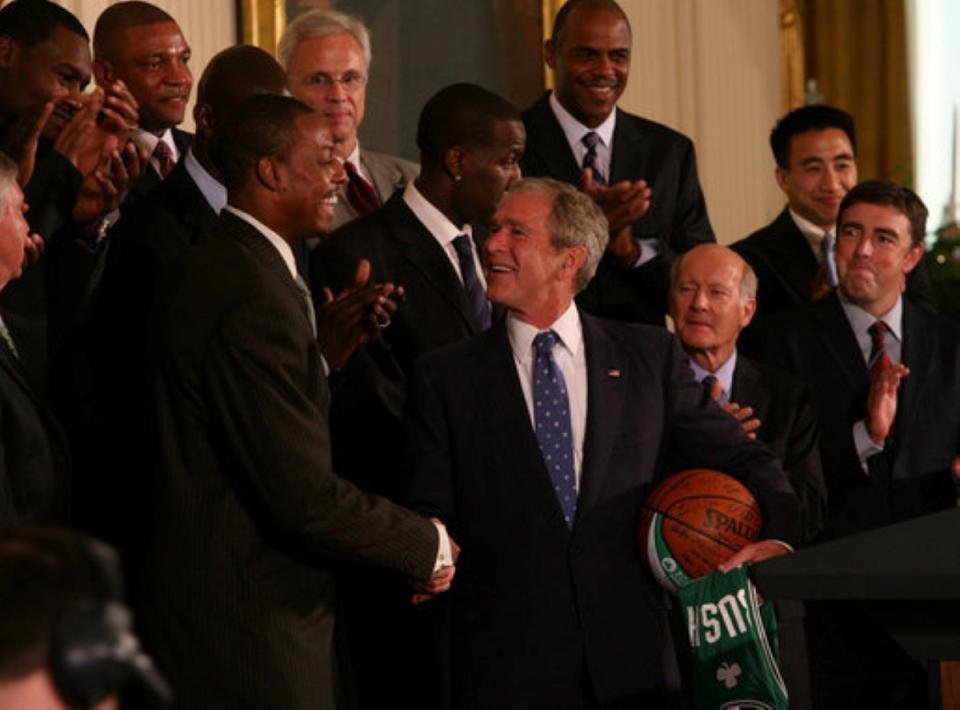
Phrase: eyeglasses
pixel 350 81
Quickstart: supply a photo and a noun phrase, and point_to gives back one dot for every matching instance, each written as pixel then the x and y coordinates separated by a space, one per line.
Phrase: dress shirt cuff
pixel 649 250
pixel 866 447
pixel 444 552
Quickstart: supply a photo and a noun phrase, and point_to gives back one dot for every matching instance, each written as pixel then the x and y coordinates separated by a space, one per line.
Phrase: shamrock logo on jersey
pixel 727 673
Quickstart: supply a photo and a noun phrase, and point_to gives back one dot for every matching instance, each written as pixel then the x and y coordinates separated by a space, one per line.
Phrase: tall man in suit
pixel 425 238
pixel 643 174
pixel 884 372
pixel 815 149
pixel 147 240
pixel 712 298
pixel 248 515
pixel 536 442
pixel 142 45
pixel 34 464
pixel 327 57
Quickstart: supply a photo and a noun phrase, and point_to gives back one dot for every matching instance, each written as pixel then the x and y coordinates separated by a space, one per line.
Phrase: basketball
pixel 693 521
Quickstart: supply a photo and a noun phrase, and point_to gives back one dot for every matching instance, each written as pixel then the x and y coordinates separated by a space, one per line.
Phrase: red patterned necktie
pixel 360 193
pixel 164 157
pixel 879 359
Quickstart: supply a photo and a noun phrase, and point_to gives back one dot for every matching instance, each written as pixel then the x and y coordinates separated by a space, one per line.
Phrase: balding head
pixel 712 298
pixel 233 75
pixel 108 33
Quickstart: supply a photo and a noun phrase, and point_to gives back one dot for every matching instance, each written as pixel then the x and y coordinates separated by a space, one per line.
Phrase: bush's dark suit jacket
pixel 534 603
pixel 34 464
pixel 913 474
pixel 247 512
pixel 677 216
pixel 786 267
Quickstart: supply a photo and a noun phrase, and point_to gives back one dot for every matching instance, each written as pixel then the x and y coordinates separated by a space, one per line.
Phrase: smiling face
pixel 707 305
pixel 591 61
pixel 57 69
pixel 153 61
pixel 310 180
pixel 329 74
pixel 524 271
pixel 821 171
pixel 874 255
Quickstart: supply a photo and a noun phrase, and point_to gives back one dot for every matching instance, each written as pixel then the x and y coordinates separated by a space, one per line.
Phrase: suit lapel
pixel 498 390
pixel 919 344
pixel 747 388
pixel 547 139
pixel 386 178
pixel 793 257
pixel 629 152
pixel 607 375
pixel 838 339
pixel 425 254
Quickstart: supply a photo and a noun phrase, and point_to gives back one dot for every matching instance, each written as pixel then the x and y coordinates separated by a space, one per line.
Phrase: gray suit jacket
pixel 389 173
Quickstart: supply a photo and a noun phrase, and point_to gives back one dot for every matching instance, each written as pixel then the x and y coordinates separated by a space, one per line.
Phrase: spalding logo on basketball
pixel 693 521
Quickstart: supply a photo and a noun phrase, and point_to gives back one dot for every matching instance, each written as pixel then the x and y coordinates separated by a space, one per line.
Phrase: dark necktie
pixel 164 158
pixel 590 158
pixel 471 281
pixel 551 415
pixel 828 258
pixel 360 193
pixel 879 359
pixel 708 382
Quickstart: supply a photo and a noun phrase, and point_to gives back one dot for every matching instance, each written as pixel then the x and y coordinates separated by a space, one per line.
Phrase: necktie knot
pixel 462 246
pixel 164 158
pixel 878 333
pixel 544 342
pixel 591 140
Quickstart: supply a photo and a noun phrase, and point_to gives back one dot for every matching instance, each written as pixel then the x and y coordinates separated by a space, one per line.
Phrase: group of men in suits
pixel 470 327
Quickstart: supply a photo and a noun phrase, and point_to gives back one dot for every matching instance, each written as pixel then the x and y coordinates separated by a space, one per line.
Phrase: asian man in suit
pixel 327 57
pixel 249 518
pixel 536 442
pixel 884 373
pixel 643 174
pixel 815 149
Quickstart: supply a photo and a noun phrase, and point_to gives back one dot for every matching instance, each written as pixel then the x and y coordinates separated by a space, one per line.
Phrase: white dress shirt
pixel 724 373
pixel 571 360
pixel 442 229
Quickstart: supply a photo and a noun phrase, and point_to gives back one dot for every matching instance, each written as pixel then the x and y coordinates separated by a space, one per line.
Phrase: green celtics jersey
pixel 733 639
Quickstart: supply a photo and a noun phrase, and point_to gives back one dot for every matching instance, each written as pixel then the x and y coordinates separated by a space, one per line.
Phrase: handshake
pixel 424 591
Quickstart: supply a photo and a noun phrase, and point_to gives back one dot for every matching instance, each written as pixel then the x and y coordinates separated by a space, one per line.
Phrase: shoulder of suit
pixel 931 320
pixel 775 380
pixel 408 169
pixel 360 232
pixel 182 139
pixel 764 238
pixel 657 131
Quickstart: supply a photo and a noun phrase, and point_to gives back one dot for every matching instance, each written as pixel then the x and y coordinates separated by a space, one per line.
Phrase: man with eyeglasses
pixel 327 58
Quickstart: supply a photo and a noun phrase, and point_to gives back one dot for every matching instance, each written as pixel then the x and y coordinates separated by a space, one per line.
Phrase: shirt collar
pixel 567 327
pixel 436 222
pixel 575 131
pixel 861 321
pixel 354 158
pixel 148 141
pixel 724 373
pixel 286 253
pixel 811 231
pixel 213 192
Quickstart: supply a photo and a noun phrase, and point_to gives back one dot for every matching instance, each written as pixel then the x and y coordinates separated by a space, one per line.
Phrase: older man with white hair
pixel 327 58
